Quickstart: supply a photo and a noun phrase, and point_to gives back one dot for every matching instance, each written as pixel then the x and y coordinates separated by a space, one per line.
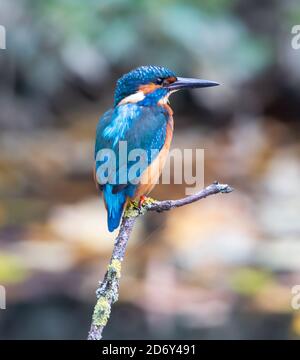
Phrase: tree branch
pixel 108 290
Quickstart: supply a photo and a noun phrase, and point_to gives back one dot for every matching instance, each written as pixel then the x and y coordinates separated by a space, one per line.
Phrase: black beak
pixel 184 83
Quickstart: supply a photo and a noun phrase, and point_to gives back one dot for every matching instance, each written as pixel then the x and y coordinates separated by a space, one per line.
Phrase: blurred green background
pixel 222 268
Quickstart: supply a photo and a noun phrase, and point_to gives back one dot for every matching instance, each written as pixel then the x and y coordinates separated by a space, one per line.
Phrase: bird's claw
pixel 142 200
pixel 145 200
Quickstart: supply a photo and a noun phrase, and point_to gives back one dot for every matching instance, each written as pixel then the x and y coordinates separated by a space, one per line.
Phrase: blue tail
pixel 115 205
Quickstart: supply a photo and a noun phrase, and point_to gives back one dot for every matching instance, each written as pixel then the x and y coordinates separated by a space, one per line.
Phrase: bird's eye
pixel 159 81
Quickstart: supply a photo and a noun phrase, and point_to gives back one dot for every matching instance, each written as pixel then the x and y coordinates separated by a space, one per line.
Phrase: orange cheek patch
pixel 171 79
pixel 149 88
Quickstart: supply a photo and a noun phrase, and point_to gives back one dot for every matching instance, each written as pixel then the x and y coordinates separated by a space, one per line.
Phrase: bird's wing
pixel 143 128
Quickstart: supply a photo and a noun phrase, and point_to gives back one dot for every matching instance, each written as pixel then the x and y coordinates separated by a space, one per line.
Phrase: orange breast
pixel 153 172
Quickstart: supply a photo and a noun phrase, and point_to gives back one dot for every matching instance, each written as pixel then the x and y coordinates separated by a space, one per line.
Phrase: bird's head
pixel 153 83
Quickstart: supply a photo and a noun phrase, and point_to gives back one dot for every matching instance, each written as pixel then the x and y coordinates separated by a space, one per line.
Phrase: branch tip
pixel 223 188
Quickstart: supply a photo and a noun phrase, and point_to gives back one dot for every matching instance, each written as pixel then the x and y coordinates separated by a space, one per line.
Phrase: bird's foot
pixel 138 207
pixel 143 198
pixel 144 201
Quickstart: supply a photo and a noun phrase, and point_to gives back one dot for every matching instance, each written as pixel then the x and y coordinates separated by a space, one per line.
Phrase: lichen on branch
pixel 108 290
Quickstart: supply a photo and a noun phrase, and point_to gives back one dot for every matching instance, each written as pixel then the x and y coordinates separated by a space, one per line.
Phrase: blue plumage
pixel 142 121
pixel 142 127
pixel 129 83
pixel 114 204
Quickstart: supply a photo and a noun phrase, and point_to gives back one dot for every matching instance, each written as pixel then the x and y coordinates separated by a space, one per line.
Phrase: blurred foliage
pixel 84 37
pixel 225 266
pixel 11 271
pixel 296 324
pixel 249 281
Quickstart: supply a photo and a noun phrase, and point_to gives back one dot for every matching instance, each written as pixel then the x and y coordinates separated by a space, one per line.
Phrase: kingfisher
pixel 142 119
